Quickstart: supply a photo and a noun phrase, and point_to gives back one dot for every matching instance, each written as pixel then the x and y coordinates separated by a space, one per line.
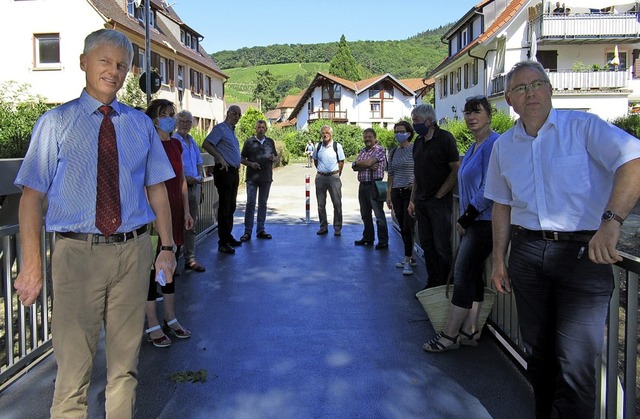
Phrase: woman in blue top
pixel 474 227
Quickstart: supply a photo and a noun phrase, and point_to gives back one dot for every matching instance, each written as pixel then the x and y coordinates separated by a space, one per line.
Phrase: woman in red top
pixel 162 112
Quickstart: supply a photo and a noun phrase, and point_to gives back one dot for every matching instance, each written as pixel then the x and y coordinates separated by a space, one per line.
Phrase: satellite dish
pixel 137 2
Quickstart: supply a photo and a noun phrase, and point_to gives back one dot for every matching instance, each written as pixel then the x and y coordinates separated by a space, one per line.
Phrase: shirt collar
pixel 91 104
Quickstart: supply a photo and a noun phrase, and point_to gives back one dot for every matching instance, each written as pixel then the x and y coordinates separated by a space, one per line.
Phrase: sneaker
pixel 406 270
pixel 400 264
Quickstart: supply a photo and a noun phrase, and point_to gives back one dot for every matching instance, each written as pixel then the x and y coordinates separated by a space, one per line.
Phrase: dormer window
pixel 464 37
pixel 138 13
pixel 189 40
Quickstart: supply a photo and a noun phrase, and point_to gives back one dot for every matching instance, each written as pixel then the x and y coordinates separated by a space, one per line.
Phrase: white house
pixel 380 100
pixel 590 50
pixel 44 39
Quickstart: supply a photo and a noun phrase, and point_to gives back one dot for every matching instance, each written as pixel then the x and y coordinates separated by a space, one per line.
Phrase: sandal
pixel 159 342
pixel 180 333
pixel 469 339
pixel 434 344
pixel 194 266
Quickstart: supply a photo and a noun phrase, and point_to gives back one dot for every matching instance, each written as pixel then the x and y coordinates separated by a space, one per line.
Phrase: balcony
pixel 579 81
pixel 335 116
pixel 587 27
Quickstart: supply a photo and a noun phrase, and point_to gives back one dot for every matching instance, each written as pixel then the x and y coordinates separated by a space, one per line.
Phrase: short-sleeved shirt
pixel 62 163
pixel 472 177
pixel 327 158
pixel 224 138
pixel 191 157
pixel 377 152
pixel 400 166
pixel 255 151
pixel 431 162
pixel 561 179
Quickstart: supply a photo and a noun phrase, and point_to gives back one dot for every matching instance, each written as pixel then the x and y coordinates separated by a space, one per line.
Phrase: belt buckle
pixel 550 235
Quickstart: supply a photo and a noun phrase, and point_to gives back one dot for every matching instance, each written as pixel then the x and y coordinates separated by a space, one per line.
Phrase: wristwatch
pixel 169 248
pixel 609 215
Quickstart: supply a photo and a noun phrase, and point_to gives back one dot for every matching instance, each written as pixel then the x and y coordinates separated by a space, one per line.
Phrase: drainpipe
pixel 484 59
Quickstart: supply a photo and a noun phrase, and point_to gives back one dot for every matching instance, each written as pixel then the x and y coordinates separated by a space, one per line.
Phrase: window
pixel 131 8
pixel 195 78
pixel 142 59
pixel 188 41
pixel 163 70
pixel 451 83
pixel 375 109
pixel 47 50
pixel 194 42
pixel 182 36
pixel 385 88
pixel 207 86
pixel 622 58
pixel 139 13
pixel 180 77
pixel 464 37
pixel 445 82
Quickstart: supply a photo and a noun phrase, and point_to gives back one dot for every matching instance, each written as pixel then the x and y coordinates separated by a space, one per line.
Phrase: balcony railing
pixel 575 80
pixel 338 116
pixel 586 26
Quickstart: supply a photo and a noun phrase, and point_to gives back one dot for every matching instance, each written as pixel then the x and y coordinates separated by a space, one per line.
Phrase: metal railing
pixel 25 333
pixel 574 81
pixel 619 391
pixel 328 115
pixel 586 26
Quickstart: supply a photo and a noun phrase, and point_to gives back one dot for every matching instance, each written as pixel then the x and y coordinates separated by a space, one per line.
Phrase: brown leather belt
pixel 335 172
pixel 582 236
pixel 100 239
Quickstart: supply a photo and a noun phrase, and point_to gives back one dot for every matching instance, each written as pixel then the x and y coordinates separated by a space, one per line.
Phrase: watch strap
pixel 169 248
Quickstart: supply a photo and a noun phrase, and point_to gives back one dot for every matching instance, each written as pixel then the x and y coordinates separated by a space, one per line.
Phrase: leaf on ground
pixel 186 376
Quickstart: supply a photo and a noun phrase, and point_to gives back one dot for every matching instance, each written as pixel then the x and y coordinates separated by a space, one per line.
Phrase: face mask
pixel 167 123
pixel 401 137
pixel 421 129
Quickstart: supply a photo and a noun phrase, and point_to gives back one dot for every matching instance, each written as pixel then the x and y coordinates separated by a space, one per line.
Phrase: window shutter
pixel 136 63
pixel 191 80
pixel 171 72
pixel 155 61
pixel 200 84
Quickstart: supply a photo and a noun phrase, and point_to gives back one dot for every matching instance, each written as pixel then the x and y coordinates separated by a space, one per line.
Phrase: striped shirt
pixel 401 166
pixel 62 163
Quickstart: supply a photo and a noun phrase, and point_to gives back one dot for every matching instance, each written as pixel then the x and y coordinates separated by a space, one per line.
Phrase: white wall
pixel 21 19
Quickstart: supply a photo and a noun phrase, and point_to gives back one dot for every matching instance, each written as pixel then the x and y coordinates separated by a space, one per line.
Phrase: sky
pixel 231 25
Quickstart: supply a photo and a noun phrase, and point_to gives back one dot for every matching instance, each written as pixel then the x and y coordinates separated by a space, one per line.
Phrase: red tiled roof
pixel 414 84
pixel 289 101
pixel 117 17
pixel 509 12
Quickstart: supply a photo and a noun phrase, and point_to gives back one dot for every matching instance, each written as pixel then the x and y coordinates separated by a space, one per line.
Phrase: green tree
pixel 19 111
pixel 343 64
pixel 131 94
pixel 265 90
pixel 247 124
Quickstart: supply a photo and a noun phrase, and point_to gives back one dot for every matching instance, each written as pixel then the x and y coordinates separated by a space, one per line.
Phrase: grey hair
pixel 425 111
pixel 524 65
pixel 327 126
pixel 109 37
pixel 186 113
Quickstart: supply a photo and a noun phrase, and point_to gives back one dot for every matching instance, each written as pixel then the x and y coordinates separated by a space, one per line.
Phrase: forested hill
pixel 412 57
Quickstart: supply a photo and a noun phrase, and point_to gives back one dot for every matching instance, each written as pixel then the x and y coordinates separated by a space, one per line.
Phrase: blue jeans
pixel 367 204
pixel 562 303
pixel 261 189
pixel 468 280
pixel 434 230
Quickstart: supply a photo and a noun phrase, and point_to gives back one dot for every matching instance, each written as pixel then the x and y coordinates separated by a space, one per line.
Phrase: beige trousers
pixel 96 285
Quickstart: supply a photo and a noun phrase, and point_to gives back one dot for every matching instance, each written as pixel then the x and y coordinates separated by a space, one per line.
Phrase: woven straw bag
pixel 437 300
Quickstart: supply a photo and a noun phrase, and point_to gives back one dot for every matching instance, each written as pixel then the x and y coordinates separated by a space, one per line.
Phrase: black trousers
pixel 226 182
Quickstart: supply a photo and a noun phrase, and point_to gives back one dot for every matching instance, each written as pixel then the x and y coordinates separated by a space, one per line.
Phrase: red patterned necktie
pixel 108 191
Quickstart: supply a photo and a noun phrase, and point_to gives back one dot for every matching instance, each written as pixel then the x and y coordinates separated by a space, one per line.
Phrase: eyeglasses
pixel 478 97
pixel 534 86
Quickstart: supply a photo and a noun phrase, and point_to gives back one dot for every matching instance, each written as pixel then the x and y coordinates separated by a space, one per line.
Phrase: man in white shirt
pixel 562 183
pixel 329 158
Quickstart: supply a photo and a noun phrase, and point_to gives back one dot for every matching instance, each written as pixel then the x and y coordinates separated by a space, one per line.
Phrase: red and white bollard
pixel 307 189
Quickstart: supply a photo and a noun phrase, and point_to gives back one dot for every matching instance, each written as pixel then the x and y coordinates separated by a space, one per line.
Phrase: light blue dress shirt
pixel 62 163
pixel 191 157
pixel 224 138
